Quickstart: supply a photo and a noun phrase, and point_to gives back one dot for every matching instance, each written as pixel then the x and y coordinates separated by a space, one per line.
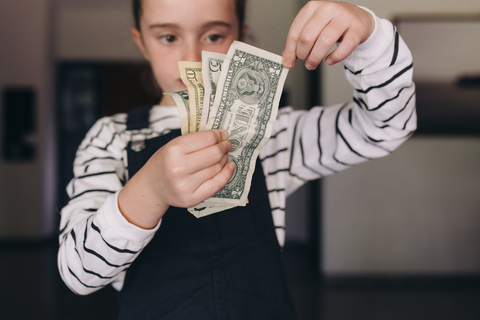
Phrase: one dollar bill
pixel 245 105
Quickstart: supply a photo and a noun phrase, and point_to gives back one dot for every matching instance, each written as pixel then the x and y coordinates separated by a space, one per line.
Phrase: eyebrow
pixel 207 25
pixel 164 25
pixel 216 24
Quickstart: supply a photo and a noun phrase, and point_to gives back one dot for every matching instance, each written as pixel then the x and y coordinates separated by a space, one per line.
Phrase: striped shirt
pixel 97 244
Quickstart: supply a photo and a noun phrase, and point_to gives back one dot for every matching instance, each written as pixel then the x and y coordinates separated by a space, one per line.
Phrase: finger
pixel 290 52
pixel 327 39
pixel 183 191
pixel 213 185
pixel 209 172
pixel 207 157
pixel 203 139
pixel 350 41
pixel 310 34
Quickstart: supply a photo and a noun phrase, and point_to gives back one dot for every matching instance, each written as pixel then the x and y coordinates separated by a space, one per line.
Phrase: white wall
pixel 443 50
pixel 94 30
pixel 416 211
pixel 25 60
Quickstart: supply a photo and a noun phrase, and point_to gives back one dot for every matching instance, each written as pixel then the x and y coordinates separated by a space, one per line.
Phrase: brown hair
pixel 239 9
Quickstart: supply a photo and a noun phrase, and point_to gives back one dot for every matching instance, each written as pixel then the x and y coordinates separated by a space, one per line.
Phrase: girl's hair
pixel 239 8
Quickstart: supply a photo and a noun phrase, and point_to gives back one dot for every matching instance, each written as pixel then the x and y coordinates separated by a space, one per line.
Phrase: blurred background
pixel 395 238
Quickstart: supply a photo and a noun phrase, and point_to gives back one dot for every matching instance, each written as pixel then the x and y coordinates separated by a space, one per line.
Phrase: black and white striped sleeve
pixel 97 244
pixel 307 145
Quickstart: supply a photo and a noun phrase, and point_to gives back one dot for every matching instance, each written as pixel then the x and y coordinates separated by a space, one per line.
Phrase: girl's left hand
pixel 319 25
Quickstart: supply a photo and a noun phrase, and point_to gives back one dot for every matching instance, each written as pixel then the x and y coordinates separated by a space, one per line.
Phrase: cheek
pixel 167 75
pixel 230 39
pixel 164 65
pixel 226 46
pixel 164 72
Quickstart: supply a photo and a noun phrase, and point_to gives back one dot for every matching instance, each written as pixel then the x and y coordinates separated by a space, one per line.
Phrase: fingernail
pixel 223 134
pixel 229 146
pixel 309 66
pixel 287 64
pixel 329 61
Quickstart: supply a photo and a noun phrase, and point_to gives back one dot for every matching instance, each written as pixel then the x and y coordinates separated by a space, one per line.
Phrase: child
pixel 126 223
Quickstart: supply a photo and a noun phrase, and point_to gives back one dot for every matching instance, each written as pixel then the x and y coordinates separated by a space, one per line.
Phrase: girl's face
pixel 178 30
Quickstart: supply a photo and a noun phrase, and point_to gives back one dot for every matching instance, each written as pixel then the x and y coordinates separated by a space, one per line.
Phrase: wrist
pixel 115 225
pixel 373 21
pixel 374 47
pixel 139 205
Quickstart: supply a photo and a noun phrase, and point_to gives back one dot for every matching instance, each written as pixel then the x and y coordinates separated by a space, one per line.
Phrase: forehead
pixel 188 12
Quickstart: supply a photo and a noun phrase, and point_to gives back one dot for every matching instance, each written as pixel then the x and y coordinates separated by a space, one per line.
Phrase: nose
pixel 192 51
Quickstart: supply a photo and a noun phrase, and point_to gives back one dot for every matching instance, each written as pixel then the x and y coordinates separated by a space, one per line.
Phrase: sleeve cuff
pixel 367 52
pixel 121 227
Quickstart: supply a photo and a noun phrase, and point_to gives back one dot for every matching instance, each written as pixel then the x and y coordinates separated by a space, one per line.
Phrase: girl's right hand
pixel 183 173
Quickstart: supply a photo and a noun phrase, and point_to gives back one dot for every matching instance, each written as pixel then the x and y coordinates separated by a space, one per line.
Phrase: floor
pixel 379 298
pixel 30 288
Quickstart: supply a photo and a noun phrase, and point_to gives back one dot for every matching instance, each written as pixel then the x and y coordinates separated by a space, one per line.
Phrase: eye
pixel 168 38
pixel 214 38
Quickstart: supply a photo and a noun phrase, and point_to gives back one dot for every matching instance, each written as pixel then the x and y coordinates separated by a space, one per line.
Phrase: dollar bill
pixel 211 69
pixel 183 106
pixel 201 211
pixel 245 105
pixel 191 75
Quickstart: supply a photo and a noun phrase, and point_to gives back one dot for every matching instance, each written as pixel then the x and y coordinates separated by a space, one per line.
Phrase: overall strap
pixel 138 119
pixel 139 149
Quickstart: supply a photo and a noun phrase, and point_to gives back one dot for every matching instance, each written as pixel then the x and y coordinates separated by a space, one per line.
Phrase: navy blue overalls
pixel 223 266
